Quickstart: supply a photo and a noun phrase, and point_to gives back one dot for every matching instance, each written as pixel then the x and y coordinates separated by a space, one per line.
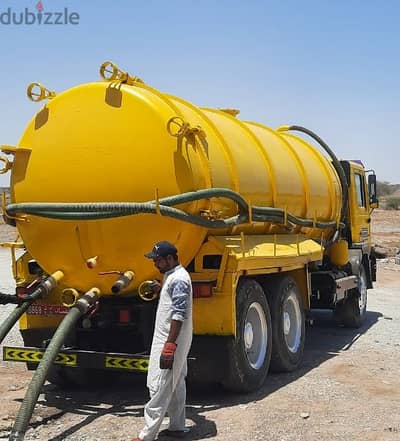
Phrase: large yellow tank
pixel 113 142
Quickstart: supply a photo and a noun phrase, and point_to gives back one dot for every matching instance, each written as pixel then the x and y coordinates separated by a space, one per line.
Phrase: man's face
pixel 164 264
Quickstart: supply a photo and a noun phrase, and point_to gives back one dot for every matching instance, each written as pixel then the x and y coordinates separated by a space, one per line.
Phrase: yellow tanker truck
pixel 267 225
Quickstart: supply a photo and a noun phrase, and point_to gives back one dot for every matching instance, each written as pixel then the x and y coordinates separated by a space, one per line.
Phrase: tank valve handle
pixel 149 290
pixel 69 297
pixel 111 72
pixel 37 92
pixel 123 281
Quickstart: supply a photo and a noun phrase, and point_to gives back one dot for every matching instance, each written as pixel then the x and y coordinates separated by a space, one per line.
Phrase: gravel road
pixel 348 388
pixel 7 286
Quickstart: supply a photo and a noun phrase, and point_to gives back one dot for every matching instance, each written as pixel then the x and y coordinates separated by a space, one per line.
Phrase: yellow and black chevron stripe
pixel 35 356
pixel 80 358
pixel 133 364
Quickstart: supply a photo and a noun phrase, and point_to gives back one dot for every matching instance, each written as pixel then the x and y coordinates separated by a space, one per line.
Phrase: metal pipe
pixel 123 281
pixel 44 288
pixel 25 412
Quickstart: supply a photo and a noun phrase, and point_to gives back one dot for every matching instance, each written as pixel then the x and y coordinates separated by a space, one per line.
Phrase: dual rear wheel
pixel 269 334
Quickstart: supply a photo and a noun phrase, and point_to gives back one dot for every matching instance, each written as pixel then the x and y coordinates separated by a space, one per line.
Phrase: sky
pixel 332 66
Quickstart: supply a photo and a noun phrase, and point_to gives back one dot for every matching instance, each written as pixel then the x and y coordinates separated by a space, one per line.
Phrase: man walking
pixel 170 347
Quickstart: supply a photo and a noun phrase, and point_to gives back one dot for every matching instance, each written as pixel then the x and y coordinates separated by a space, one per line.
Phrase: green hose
pixel 336 163
pixel 10 321
pixel 105 210
pixel 38 379
pixel 44 288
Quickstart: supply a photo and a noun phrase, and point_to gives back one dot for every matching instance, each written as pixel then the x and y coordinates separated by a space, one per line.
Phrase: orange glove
pixel 167 355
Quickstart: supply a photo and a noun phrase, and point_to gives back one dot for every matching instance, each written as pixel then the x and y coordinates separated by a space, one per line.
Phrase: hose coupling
pixel 87 300
pixel 45 287
pixel 123 281
pixel 69 297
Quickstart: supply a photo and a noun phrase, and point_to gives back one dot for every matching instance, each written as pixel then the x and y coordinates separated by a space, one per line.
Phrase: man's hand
pixel 155 286
pixel 167 355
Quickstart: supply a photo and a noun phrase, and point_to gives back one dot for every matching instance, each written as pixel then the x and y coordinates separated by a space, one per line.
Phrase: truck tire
pixel 351 312
pixel 249 353
pixel 288 324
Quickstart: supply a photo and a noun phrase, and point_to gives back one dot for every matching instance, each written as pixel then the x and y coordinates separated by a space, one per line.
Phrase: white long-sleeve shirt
pixel 175 304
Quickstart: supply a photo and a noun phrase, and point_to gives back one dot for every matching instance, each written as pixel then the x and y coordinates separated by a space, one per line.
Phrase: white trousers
pixel 165 399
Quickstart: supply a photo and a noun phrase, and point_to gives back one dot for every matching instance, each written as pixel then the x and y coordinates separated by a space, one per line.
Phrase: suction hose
pixel 88 211
pixel 335 161
pixel 44 288
pixel 32 394
pixel 10 321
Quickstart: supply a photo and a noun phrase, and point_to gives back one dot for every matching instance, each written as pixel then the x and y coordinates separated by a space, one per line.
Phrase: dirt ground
pixel 348 387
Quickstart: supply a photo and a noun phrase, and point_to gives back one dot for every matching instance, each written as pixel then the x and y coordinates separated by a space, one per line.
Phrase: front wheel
pixel 249 353
pixel 351 312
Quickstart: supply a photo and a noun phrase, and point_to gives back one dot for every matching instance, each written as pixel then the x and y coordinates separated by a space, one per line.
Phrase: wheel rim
pixel 362 300
pixel 292 322
pixel 255 335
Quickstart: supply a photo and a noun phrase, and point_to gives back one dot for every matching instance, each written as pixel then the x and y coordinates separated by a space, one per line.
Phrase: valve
pixel 123 281
pixel 69 297
pixel 148 290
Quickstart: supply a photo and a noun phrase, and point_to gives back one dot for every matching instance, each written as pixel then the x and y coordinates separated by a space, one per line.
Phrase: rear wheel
pixel 249 353
pixel 351 312
pixel 288 324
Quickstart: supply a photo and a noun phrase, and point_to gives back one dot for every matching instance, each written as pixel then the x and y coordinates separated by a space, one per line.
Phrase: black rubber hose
pixel 44 288
pixel 39 377
pixel 10 321
pixel 336 163
pixel 6 299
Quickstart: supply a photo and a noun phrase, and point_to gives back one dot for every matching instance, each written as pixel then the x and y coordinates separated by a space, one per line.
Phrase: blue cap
pixel 161 249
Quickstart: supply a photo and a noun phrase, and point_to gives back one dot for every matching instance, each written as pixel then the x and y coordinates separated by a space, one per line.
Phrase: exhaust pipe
pixel 43 289
pixel 32 394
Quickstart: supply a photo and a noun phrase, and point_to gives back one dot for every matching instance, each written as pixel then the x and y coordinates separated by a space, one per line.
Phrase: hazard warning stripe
pixel 133 364
pixel 35 356
pixel 81 358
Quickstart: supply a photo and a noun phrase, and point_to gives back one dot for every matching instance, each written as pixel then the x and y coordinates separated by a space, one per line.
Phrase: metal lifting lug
pixel 37 92
pixel 111 72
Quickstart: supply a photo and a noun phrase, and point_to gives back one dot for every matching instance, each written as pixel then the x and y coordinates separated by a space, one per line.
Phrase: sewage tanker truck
pixel 268 225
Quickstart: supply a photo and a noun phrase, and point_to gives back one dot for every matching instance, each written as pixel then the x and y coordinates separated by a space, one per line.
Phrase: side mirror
pixel 373 197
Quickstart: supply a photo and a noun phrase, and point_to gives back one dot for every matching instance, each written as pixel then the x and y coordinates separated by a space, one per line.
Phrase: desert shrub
pixel 386 188
pixel 393 204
